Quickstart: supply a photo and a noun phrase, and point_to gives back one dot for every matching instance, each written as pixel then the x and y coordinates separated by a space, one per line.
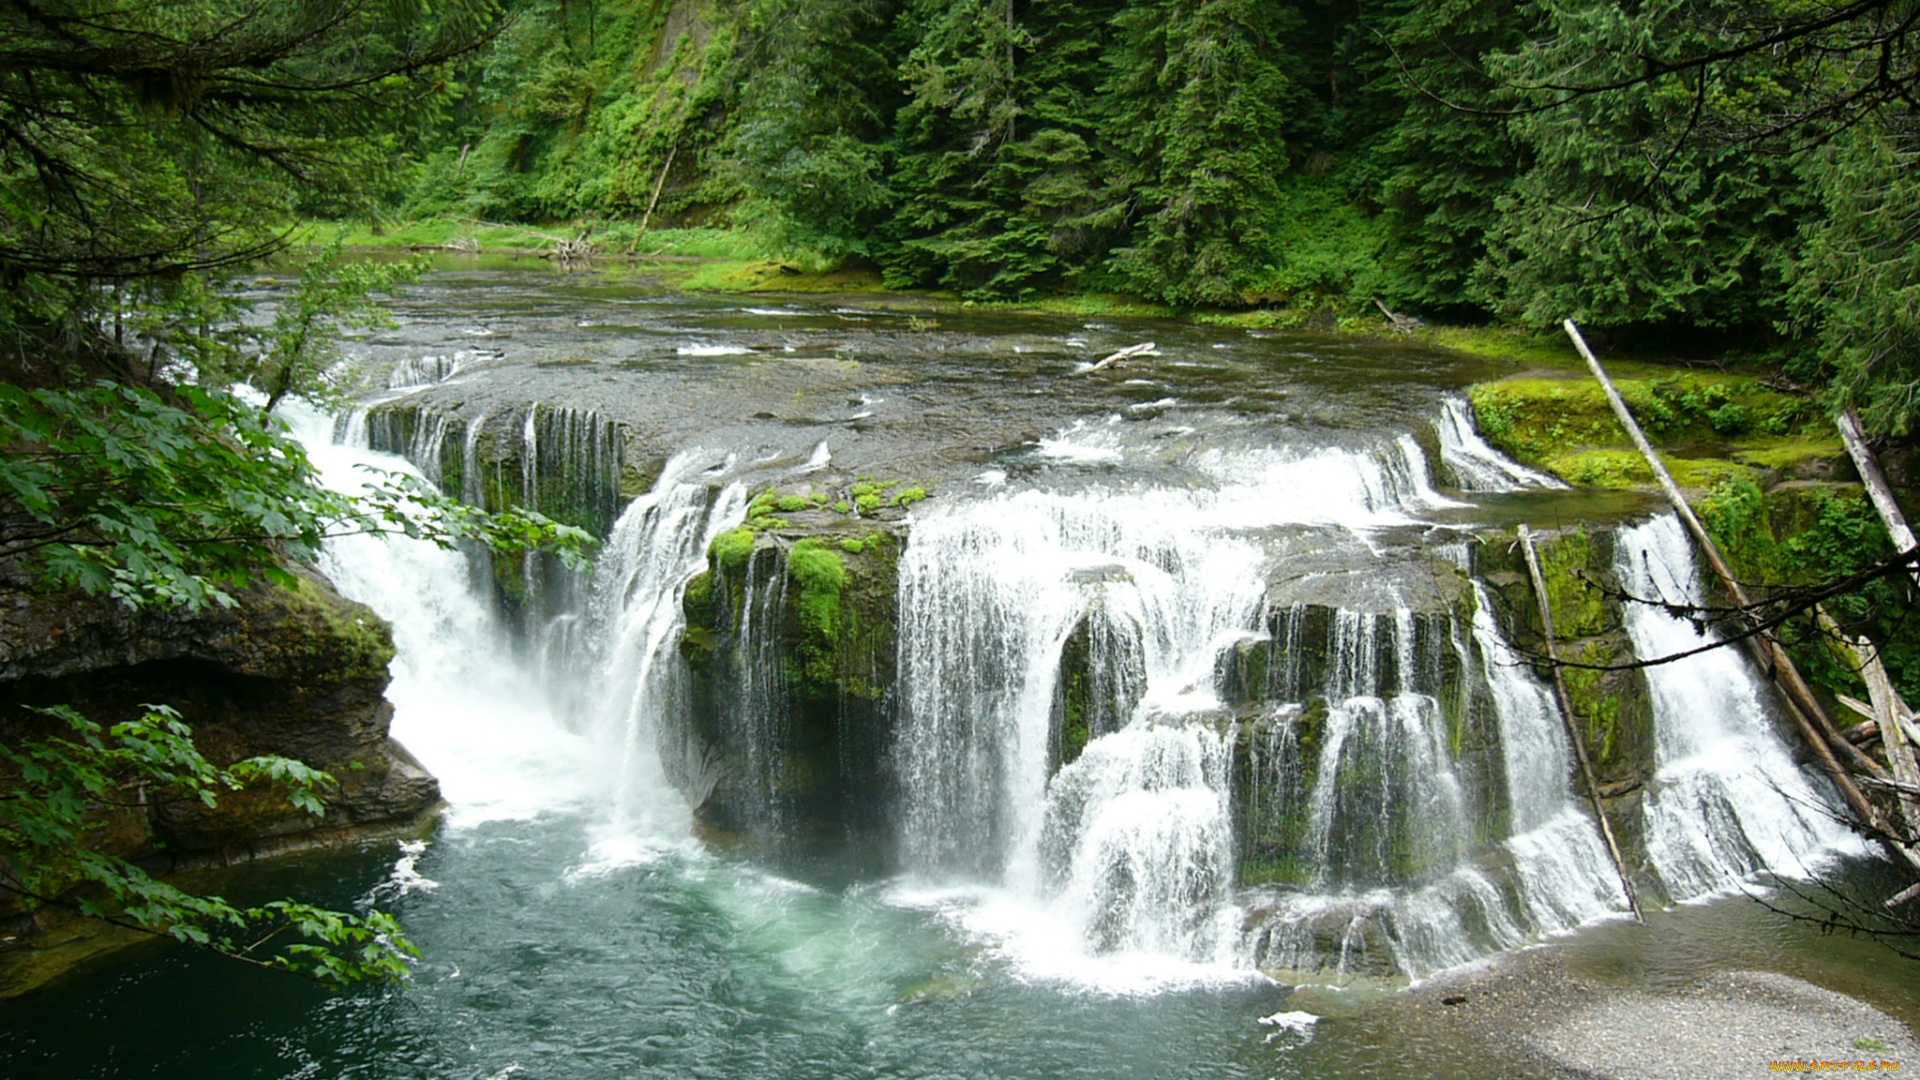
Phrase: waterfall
pixel 754 717
pixel 1726 799
pixel 419 436
pixel 1562 864
pixel 510 738
pixel 1475 465
pixel 464 703
pixel 1139 842
pixel 989 593
pixel 1391 855
pixel 1119 735
pixel 1127 852
pixel 633 626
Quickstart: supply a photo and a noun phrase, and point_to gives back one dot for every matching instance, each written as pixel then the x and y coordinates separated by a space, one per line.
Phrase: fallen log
pixel 1809 716
pixel 1900 755
pixel 1123 356
pixel 1399 324
pixel 1573 727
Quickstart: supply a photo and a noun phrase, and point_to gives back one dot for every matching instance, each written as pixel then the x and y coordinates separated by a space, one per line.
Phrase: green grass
pixel 1552 351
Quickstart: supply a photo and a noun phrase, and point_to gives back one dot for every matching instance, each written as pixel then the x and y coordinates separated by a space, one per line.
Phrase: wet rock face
pixel 790 640
pixel 1613 708
pixel 295 672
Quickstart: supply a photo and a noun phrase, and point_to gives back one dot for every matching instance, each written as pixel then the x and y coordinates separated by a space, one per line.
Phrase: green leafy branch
pixel 66 793
pixel 154 501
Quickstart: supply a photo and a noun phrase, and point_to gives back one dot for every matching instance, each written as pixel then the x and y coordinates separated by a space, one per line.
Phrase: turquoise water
pixel 682 963
pixel 685 965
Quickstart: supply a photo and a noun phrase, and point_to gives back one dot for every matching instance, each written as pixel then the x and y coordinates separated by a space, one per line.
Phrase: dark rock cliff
pixel 297 672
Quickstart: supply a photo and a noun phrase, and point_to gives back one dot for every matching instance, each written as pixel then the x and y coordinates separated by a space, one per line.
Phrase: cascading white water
pixel 505 740
pixel 1402 871
pixel 1127 852
pixel 417 371
pixel 1565 874
pixel 1400 860
pixel 634 622
pixel 989 592
pixel 1726 799
pixel 1138 836
pixel 463 703
pixel 1477 466
pixel 1124 857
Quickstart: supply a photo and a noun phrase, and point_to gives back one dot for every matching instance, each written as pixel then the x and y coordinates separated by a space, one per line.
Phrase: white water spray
pixel 1727 799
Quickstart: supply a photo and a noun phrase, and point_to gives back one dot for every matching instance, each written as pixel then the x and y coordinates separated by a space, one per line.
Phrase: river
pixel 573 926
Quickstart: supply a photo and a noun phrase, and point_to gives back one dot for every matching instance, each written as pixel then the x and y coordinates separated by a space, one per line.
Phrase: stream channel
pixel 1241 875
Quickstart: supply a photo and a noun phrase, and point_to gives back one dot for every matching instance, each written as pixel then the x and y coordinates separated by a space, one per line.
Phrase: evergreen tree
pixel 1625 217
pixel 1444 162
pixel 1856 288
pixel 1003 166
pixel 813 139
pixel 1199 103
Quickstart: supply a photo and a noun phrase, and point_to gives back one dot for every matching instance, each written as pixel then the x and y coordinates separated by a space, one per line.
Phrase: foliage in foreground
pixel 56 820
pixel 146 150
pixel 119 491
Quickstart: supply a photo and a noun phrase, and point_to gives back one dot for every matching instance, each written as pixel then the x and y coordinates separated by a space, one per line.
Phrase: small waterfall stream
pixel 1727 799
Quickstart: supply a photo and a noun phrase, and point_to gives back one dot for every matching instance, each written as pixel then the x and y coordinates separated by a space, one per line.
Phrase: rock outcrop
pixel 299 672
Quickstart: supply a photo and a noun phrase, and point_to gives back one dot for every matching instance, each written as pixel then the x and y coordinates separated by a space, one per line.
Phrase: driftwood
pixel 1864 732
pixel 1573 727
pixel 1399 324
pixel 576 252
pixel 1894 723
pixel 1123 356
pixel 1809 716
pixel 658 186
pixel 1875 482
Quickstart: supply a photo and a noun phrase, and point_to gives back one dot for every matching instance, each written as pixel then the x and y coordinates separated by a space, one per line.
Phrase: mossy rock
pixel 819 576
pixel 1612 709
pixel 1272 798
pixel 1567 427
pixel 357 643
pixel 730 550
pixel 824 612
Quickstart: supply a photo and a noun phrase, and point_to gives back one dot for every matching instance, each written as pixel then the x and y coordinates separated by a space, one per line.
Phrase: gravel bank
pixel 1537 1016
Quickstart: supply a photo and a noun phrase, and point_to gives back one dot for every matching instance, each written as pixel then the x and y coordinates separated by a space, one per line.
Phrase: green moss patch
pixel 1567 427
pixel 731 549
pixel 821 576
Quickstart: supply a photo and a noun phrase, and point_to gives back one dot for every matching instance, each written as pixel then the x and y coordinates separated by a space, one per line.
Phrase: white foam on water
pixel 463 702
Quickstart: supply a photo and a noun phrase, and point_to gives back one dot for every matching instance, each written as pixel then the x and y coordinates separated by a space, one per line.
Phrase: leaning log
pixel 1816 727
pixel 1875 481
pixel 1573 727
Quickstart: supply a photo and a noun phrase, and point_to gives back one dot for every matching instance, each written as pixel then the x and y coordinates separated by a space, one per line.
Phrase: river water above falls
pixel 1308 754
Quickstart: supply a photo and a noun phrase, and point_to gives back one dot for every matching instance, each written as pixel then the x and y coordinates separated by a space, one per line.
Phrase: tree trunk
pixel 1876 484
pixel 1573 728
